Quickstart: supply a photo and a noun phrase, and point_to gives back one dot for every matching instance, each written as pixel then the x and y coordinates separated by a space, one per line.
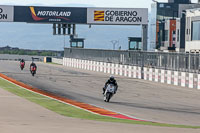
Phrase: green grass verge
pixel 70 111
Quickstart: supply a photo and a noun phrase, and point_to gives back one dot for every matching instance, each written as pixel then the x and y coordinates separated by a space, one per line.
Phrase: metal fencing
pixel 184 62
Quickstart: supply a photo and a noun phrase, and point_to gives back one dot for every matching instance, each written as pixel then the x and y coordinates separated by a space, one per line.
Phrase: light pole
pixel 114 42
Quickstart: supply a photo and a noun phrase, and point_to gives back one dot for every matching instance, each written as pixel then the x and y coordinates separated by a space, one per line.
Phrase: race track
pixel 138 98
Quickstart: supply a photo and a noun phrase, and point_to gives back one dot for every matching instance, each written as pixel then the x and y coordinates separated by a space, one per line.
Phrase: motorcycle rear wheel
pixel 108 96
pixel 33 73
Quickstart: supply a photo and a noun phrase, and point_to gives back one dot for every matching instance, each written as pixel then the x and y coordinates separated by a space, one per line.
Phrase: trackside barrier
pixel 130 71
pixel 190 80
pixel 157 77
pixel 57 60
pixel 134 72
pixel 198 85
pixel 176 78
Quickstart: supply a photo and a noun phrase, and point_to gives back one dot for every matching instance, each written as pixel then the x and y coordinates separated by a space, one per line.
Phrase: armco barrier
pixel 190 80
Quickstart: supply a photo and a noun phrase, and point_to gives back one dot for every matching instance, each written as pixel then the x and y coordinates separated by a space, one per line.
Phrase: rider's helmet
pixel 112 78
pixel 33 64
pixel 22 60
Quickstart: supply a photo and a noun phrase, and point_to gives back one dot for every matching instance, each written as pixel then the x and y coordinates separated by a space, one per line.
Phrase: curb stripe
pixel 84 106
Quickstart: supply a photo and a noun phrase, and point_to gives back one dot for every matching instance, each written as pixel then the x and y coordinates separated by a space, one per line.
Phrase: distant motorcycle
pixel 33 70
pixel 22 64
pixel 110 91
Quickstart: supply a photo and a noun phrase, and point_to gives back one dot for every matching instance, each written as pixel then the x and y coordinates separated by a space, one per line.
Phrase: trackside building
pixel 192 32
pixel 167 25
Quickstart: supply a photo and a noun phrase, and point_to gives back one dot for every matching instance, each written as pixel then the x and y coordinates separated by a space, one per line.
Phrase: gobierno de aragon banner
pixel 6 13
pixel 117 16
pixel 36 14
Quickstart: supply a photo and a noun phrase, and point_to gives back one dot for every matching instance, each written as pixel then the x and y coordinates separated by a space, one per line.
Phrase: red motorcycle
pixel 33 70
pixel 22 64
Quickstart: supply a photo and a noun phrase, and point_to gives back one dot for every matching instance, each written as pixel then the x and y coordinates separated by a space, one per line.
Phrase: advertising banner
pixel 6 13
pixel 119 16
pixel 50 14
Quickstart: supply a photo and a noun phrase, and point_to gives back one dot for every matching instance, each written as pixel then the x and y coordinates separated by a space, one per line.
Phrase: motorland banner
pixel 119 16
pixel 36 14
pixel 6 13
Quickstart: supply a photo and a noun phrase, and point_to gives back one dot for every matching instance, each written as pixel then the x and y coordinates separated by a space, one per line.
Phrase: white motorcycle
pixel 109 92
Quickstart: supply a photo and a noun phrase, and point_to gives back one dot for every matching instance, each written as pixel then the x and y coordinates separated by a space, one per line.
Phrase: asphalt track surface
pixel 138 98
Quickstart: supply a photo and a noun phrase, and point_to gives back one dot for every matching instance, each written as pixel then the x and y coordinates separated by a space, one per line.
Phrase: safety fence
pixel 184 79
pixel 183 62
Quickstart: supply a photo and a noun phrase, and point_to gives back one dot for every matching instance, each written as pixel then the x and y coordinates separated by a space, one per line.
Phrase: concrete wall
pixel 18 57
pixel 184 79
pixel 57 61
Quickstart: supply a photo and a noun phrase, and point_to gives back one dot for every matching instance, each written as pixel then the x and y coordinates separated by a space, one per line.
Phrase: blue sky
pixel 97 3
pixel 36 36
